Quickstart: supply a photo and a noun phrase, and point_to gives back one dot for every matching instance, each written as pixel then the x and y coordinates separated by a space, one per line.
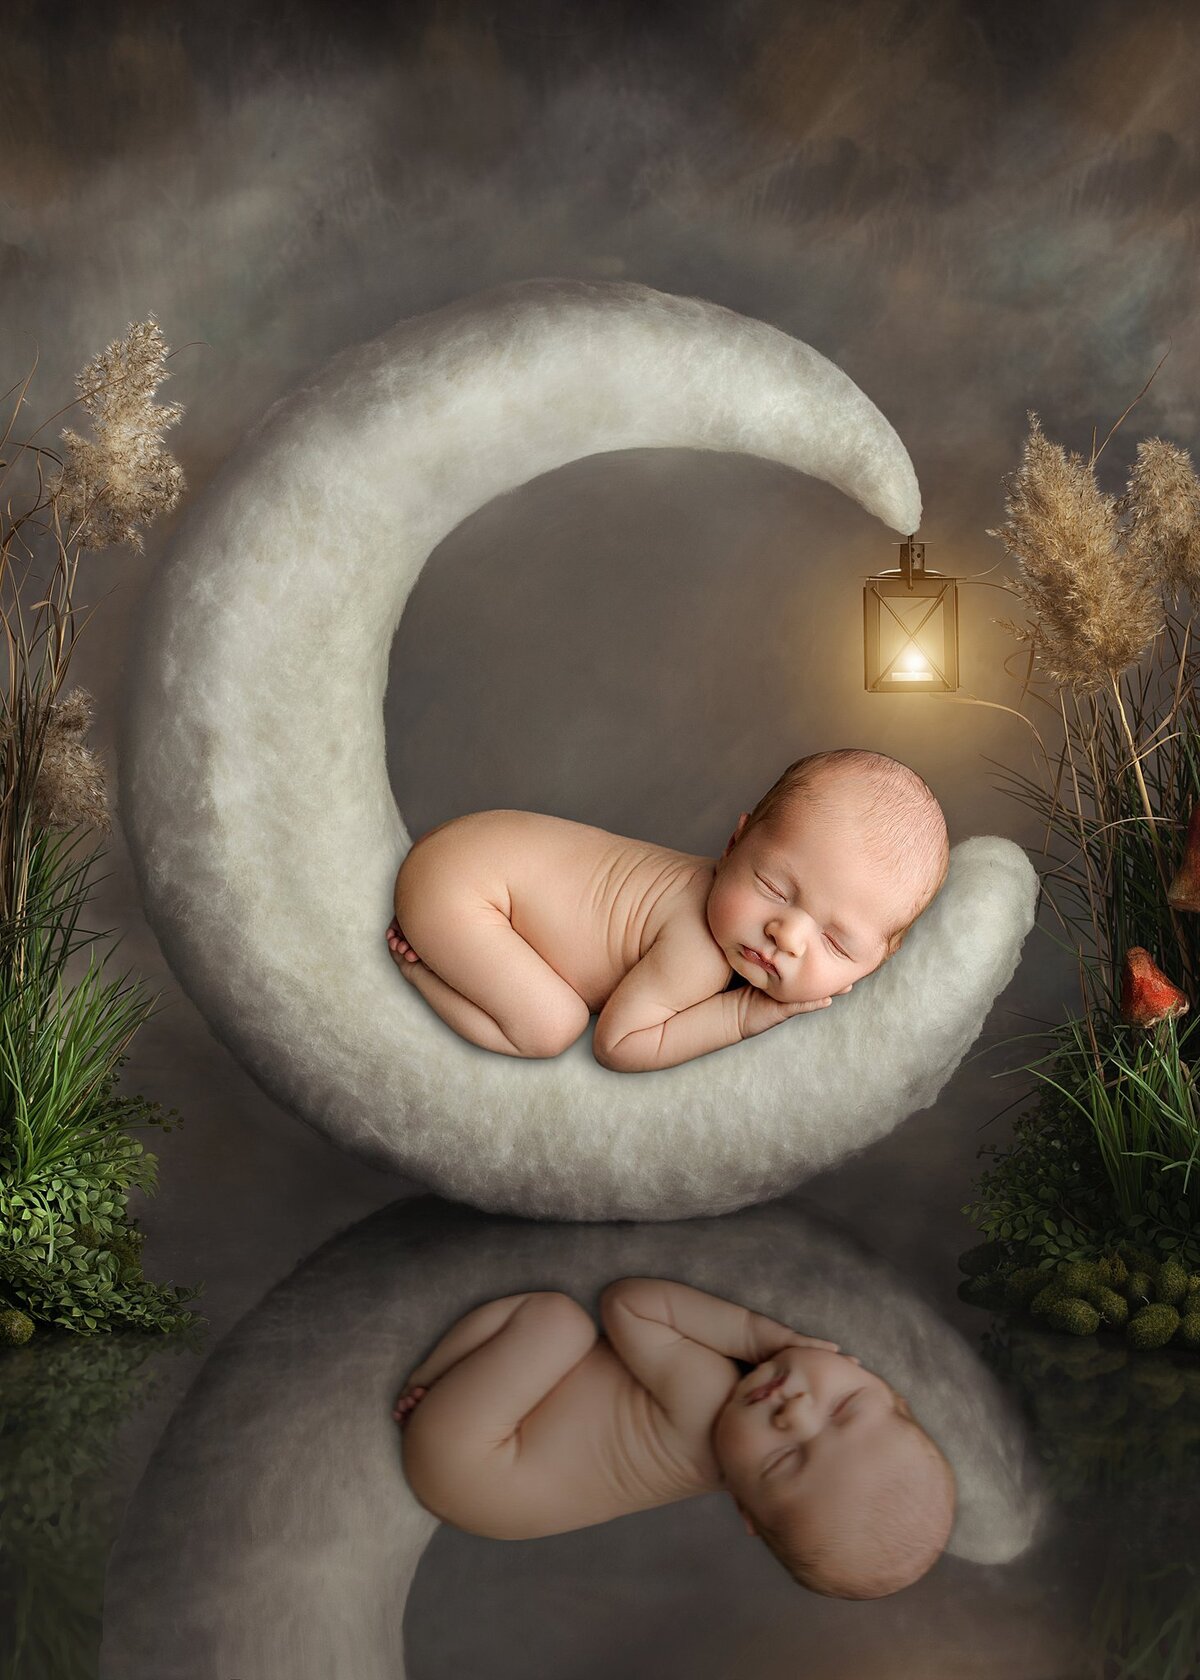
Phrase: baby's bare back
pixel 590 903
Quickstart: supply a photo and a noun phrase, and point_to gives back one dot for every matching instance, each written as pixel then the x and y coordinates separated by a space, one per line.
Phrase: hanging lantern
pixel 910 628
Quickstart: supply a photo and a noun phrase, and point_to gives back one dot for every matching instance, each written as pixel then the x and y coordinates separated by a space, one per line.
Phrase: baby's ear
pixel 893 946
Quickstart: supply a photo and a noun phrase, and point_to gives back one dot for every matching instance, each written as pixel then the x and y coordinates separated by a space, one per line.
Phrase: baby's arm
pixel 696 1316
pixel 679 1341
pixel 667 1009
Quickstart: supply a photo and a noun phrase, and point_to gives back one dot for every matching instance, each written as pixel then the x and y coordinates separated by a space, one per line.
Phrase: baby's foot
pixel 407 1402
pixel 401 950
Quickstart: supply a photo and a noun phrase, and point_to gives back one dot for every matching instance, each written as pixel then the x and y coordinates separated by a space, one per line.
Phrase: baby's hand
pixel 757 1010
pixel 795 1340
pixel 407 1402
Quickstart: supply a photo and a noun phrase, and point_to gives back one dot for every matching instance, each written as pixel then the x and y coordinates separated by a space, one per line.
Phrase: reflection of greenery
pixel 62 1401
pixel 1149 1629
pixel 1119 1431
pixel 1108 1421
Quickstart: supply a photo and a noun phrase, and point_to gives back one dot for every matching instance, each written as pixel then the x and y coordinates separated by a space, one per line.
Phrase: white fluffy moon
pixel 255 796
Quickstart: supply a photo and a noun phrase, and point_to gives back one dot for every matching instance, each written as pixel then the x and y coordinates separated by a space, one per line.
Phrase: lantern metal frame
pixel 911 583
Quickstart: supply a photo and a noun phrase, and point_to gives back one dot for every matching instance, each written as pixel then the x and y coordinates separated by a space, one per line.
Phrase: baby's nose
pixel 789 933
pixel 791 1410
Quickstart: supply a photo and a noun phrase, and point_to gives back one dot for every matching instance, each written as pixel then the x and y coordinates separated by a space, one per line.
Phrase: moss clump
pixel 1072 1314
pixel 1046 1298
pixel 1021 1286
pixel 1188 1334
pixel 1128 1290
pixel 1172 1282
pixel 1139 1289
pixel 15 1328
pixel 1080 1276
pixel 1153 1326
pixel 1113 1308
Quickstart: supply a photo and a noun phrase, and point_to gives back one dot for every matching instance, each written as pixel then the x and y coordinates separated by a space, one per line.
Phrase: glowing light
pixel 910 628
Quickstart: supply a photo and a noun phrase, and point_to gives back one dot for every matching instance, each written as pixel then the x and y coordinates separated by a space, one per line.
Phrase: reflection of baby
pixel 515 927
pixel 522 1422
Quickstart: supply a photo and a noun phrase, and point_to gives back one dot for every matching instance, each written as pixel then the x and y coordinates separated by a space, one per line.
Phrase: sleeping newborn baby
pixel 516 927
pixel 523 1422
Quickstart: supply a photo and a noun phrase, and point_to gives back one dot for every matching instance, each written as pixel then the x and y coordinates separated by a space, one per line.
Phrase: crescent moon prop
pixel 255 798
pixel 273 1535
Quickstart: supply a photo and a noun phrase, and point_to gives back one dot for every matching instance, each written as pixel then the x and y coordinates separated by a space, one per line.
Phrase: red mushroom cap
pixel 1147 996
pixel 1184 891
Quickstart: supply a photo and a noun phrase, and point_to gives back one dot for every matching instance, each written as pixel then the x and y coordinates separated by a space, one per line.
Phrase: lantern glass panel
pixel 910 634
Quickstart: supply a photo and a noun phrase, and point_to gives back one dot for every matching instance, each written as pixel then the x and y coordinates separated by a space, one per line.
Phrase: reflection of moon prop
pixel 273 1535
pixel 266 839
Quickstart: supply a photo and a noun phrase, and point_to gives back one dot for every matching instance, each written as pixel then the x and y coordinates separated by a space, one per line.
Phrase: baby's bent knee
pixel 552 1029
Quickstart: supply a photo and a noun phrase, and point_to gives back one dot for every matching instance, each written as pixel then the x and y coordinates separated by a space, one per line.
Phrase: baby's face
pixel 806 1434
pixel 801 893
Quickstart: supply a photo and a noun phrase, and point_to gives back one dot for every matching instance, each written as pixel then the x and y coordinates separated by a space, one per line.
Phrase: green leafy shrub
pixel 70 1252
pixel 69 1249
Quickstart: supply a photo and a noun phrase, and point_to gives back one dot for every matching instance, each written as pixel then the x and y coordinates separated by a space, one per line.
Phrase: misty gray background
pixel 973 208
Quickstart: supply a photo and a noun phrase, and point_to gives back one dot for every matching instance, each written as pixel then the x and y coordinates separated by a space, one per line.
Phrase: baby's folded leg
pixel 462 1446
pixel 468 943
pixel 464 1336
pixel 485 1395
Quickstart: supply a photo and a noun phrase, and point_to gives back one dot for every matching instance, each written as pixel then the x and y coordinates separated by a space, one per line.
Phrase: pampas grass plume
pixel 1163 504
pixel 1098 605
pixel 108 488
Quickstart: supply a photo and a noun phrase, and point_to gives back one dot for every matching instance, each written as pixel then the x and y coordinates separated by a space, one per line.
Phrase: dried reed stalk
pixel 1094 571
pixel 99 491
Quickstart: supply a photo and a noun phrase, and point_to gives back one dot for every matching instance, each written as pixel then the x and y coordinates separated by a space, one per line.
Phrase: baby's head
pixel 823 879
pixel 829 1467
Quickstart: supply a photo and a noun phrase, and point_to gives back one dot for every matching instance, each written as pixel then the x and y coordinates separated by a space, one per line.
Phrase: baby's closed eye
pixel 793 1458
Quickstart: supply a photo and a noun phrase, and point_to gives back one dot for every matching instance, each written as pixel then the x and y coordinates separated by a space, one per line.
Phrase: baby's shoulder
pixel 683 917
